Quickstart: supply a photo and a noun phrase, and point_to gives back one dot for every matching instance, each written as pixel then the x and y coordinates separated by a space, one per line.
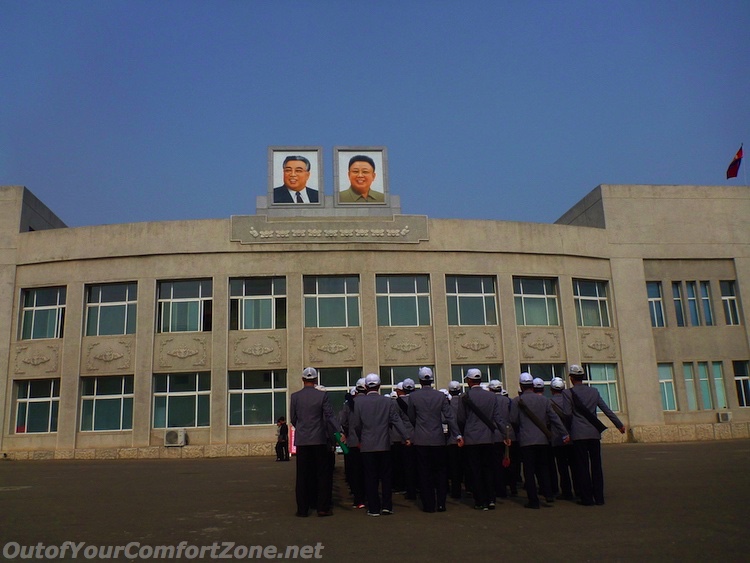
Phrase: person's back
pixel 427 408
pixel 309 412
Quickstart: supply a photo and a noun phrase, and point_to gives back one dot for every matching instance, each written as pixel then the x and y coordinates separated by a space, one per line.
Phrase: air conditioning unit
pixel 175 437
pixel 724 416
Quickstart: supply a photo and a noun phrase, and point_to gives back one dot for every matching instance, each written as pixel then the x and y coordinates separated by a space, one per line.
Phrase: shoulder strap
pixel 402 405
pixel 586 413
pixel 535 419
pixel 483 417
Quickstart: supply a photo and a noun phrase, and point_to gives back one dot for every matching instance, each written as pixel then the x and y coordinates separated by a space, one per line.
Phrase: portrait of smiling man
pixel 362 174
pixel 296 174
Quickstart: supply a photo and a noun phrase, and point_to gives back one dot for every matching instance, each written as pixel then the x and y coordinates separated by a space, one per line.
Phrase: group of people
pixel 428 443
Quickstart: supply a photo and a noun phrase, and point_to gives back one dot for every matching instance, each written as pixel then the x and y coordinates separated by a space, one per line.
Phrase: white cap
pixel 557 383
pixel 399 386
pixel 445 392
pixel 309 374
pixel 425 374
pixel 474 373
pixel 453 385
pixel 484 386
pixel 372 380
pixel 495 385
pixel 353 391
pixel 538 383
pixel 576 370
pixel 408 384
pixel 361 384
pixel 526 379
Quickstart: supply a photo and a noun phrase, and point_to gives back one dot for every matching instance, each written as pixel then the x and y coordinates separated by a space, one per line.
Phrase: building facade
pixel 118 339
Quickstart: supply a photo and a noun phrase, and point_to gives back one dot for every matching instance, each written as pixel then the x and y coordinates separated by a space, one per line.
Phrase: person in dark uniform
pixel 353 469
pixel 410 454
pixel 478 417
pixel 456 460
pixel 282 440
pixel 312 416
pixel 370 421
pixel 581 402
pixel 562 454
pixel 397 445
pixel 532 415
pixel 428 408
pixel 500 471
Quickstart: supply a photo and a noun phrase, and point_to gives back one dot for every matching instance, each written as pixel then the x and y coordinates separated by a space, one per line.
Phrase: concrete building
pixel 118 338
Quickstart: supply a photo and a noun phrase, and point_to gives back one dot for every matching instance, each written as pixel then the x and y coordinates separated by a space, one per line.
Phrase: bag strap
pixel 483 417
pixel 535 419
pixel 402 405
pixel 586 413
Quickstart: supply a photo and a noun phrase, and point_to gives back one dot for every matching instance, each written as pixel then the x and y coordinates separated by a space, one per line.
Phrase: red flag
pixel 734 167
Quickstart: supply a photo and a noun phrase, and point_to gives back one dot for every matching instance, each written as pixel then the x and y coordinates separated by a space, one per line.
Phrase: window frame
pixel 730 303
pixel 601 299
pixel 741 372
pixel 239 296
pixel 666 387
pixel 171 395
pixel 386 299
pixel 610 383
pixel 314 299
pixel 520 297
pixel 204 311
pixel 454 297
pixel 33 310
pixel 656 305
pixel 130 305
pixel 23 404
pixel 245 392
pixel 126 396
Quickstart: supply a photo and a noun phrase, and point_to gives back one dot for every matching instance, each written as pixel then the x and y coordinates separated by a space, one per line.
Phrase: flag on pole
pixel 734 167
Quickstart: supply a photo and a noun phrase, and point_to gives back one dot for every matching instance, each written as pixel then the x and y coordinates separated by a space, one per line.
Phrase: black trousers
pixel 397 459
pixel 455 469
pixel 282 450
pixel 432 469
pixel 314 486
pixel 378 478
pixel 560 473
pixel 589 476
pixel 356 475
pixel 536 466
pixel 479 461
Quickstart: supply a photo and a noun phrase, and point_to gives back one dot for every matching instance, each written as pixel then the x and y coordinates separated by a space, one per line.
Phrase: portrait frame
pixel 276 156
pixel 341 157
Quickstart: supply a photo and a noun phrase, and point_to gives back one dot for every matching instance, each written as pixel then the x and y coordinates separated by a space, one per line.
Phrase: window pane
pixel 38 417
pixel 112 320
pixel 257 380
pixel 352 308
pixel 259 286
pixel 536 311
pixel 113 293
pixel 181 411
pixel 423 303
pixel 107 414
pixel 46 297
pixel 334 377
pixel 131 312
pixel 403 311
pixel 280 312
pixel 452 310
pixel 258 313
pixel 704 385
pixel 185 289
pixel 590 313
pixel 401 284
pixel 87 415
pixel 181 383
pixel 235 409
pixel 332 311
pixel 258 408
pixel 204 381
pixel 44 323
pixel 687 370
pixel 330 285
pixel 204 410
pixel 489 305
pixel 472 310
pixel 311 312
pixel 40 388
pixel 383 316
pixel 469 284
pixel 279 405
pixel 160 412
pixel 235 380
pixel 127 414
pixel 184 317
pixel 721 396
pixel 109 385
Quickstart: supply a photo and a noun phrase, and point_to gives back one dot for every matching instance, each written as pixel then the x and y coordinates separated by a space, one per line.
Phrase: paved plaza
pixel 667 502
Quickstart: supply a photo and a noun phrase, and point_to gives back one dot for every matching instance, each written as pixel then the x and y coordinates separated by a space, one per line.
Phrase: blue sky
pixel 125 111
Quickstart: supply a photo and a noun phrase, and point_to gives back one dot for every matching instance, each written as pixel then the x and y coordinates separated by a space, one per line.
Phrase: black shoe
pixel 323 513
pixel 531 505
pixel 599 502
pixel 441 509
pixel 491 506
pixel 550 499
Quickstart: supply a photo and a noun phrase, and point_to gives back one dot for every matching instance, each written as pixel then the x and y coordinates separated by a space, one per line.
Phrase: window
pixel 257 303
pixel 184 306
pixel 708 315
pixel 679 308
pixel 729 300
pixel 182 400
pixel 655 303
pixel 37 405
pixel 107 403
pixel 43 313
pixel 545 372
pixel 666 386
pixel 403 300
pixel 471 300
pixel 331 301
pixel 717 370
pixel 704 382
pixel 604 378
pixel 390 376
pixel 536 301
pixel 742 381
pixel 338 382
pixel 111 309
pixel 256 397
pixel 489 372
pixel 591 303
pixel 689 376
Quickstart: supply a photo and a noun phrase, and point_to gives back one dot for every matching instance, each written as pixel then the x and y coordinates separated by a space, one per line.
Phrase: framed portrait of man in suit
pixel 295 176
pixel 361 175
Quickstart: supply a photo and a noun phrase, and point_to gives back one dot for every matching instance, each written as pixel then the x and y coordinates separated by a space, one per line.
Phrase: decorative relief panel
pixel 540 343
pixel 333 347
pixel 598 345
pixel 474 344
pixel 182 351
pixel 251 349
pixel 37 358
pixel 407 346
pixel 254 229
pixel 107 355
